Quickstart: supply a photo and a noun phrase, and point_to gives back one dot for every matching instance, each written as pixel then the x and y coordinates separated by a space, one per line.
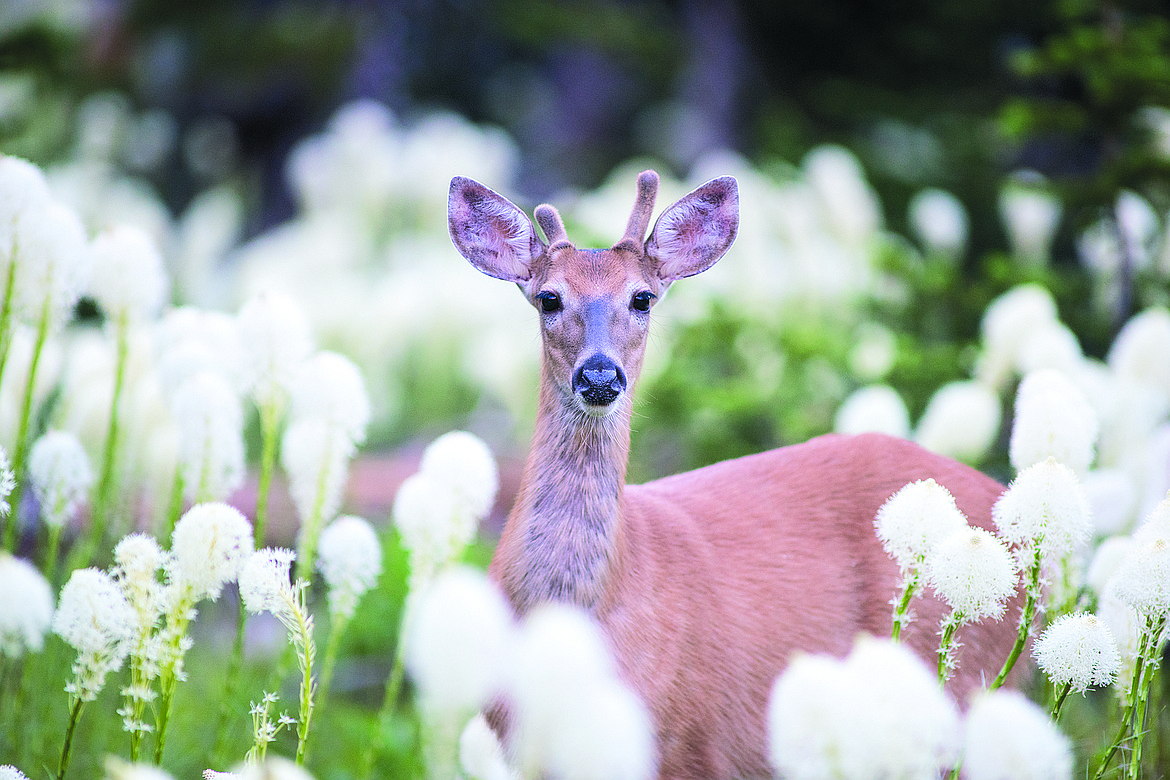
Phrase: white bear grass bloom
pixel 1053 419
pixel 466 463
pixel 330 387
pixel 457 635
pixel 974 573
pixel 939 221
pixel 61 476
pixel 1077 652
pixel 128 281
pixel 210 421
pixel 94 618
pixel 1007 736
pixel 877 713
pixel 574 718
pixel 209 546
pixel 275 339
pixel 26 607
pixel 961 421
pixel 910 524
pixel 1045 507
pixel 437 510
pixel 8 771
pixel 350 561
pixel 7 483
pixel 265 586
pixel 1141 581
pixel 315 455
pixel 138 559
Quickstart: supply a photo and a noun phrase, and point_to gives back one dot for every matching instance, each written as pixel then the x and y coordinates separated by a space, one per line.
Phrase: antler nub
pixel 643 208
pixel 554 229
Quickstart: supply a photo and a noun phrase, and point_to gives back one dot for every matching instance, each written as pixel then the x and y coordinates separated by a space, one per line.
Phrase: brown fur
pixel 705 583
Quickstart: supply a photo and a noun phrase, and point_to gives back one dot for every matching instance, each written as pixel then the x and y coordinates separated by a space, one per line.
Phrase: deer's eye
pixel 549 302
pixel 641 301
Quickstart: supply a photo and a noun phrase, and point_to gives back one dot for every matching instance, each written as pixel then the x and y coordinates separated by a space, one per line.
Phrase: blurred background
pixel 901 165
pixel 937 198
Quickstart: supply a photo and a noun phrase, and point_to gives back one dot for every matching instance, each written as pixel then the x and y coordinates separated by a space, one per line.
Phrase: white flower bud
pixel 915 519
pixel 1079 650
pixel 26 607
pixel 350 559
pixel 60 474
pixel 973 572
pixel 128 279
pixel 210 543
pixel 1046 506
pixel 1009 736
pixel 1052 419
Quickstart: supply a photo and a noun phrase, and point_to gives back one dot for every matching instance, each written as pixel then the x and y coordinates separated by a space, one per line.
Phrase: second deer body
pixel 707 582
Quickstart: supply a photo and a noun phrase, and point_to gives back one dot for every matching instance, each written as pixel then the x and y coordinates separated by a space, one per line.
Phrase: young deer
pixel 705 583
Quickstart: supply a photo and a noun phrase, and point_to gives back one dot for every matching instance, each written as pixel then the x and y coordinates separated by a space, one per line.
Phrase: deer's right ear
pixel 491 232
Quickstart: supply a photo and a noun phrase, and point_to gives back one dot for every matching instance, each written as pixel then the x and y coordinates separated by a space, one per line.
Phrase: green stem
pixel 946 647
pixel 1060 695
pixel 903 606
pixel 6 315
pixel 1032 590
pixel 308 652
pixel 333 645
pixel 230 683
pixel 168 679
pixel 74 716
pixel 311 529
pixel 22 442
pixel 109 451
pixel 389 705
pixel 1147 647
pixel 269 422
pixel 175 508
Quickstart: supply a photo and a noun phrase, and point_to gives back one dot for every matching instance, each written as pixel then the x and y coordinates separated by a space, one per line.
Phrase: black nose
pixel 599 381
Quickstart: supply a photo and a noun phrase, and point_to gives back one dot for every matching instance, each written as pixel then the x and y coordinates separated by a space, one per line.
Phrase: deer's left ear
pixel 695 232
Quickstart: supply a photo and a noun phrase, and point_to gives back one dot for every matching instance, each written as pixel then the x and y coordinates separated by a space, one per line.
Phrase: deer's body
pixel 707 582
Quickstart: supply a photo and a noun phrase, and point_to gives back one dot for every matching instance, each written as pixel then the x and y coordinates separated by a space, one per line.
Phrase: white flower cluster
pixel 350 561
pixel 128 280
pixel 209 546
pixel 209 417
pixel 1078 650
pixel 61 476
pixel 1045 506
pixel 877 713
pixel 913 521
pixel 574 717
pixel 275 339
pixel 974 573
pixel 26 607
pixel 438 509
pixel 95 619
pixel 456 643
pixel 44 254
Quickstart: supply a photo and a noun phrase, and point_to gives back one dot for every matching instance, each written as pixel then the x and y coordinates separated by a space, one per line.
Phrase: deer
pixel 704 583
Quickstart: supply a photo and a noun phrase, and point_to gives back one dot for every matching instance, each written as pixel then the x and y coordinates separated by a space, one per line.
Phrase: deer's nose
pixel 599 381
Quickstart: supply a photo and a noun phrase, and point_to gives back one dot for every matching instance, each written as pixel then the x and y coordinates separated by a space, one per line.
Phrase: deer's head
pixel 594 304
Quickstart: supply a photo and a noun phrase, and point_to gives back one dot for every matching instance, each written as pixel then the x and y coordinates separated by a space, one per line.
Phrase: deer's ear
pixel 695 232
pixel 491 232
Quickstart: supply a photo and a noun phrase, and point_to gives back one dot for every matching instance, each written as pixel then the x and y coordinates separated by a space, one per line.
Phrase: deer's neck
pixel 568 512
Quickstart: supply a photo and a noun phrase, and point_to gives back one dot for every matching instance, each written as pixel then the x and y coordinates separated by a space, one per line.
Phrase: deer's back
pixel 738 565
